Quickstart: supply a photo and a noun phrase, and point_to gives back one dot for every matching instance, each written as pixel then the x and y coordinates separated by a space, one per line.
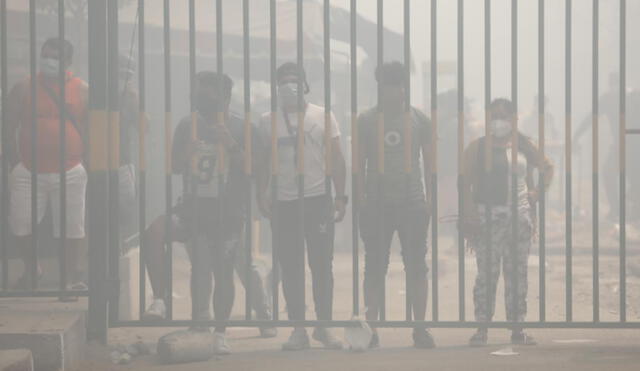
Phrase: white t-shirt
pixel 314 151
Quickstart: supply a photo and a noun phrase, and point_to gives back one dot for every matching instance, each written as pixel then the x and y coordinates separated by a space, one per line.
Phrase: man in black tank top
pixel 397 192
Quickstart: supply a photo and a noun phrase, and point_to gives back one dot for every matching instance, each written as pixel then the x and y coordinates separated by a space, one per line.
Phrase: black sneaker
pixel 479 339
pixel 422 339
pixel 299 340
pixel 375 341
pixel 522 338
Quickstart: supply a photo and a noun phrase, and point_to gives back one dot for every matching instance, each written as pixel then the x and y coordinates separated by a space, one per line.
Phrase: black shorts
pixel 205 217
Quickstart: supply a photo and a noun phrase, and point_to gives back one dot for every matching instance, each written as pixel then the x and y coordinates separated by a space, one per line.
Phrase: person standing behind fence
pixel 494 188
pixel 235 212
pixel 395 195
pixel 209 217
pixel 318 206
pixel 47 161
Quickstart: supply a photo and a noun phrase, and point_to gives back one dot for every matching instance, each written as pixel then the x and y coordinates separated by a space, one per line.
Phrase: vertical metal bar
pixel 168 166
pixel 461 177
pixel 196 299
pixel 407 145
pixel 114 147
pixel 97 185
pixel 4 161
pixel 623 160
pixel 247 155
pixel 434 155
pixel 222 155
pixel 542 208
pixel 301 168
pixel 567 155
pixel 595 183
pixel 63 152
pixel 274 161
pixel 488 151
pixel 380 160
pixel 33 37
pixel 142 171
pixel 355 161
pixel 327 111
pixel 514 158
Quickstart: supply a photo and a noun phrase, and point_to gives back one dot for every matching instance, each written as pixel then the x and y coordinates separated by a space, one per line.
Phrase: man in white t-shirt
pixel 311 223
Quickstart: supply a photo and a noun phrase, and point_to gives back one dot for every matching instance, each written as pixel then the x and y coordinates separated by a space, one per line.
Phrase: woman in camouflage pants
pixel 488 220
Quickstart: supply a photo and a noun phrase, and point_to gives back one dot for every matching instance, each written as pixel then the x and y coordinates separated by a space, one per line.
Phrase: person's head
pixel 391 80
pixel 55 51
pixel 212 92
pixel 501 115
pixel 288 77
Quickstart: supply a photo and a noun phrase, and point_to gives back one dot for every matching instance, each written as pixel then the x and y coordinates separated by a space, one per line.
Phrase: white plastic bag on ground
pixel 358 337
pixel 184 346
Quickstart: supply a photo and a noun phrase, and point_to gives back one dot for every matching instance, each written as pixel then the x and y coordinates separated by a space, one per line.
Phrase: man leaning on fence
pixel 55 54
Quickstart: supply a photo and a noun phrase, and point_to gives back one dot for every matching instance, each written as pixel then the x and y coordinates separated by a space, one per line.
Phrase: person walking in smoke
pixel 493 188
pixel 319 207
pixel 403 201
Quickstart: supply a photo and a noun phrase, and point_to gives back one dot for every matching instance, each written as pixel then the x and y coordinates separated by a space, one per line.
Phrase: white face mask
pixel 288 94
pixel 49 67
pixel 500 128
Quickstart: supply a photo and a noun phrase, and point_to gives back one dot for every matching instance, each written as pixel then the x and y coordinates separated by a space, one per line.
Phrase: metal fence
pixel 103 158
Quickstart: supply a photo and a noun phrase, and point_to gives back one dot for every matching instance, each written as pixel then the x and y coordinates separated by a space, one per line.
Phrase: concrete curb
pixel 16 360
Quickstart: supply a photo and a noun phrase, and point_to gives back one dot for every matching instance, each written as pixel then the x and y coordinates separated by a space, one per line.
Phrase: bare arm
pixel 14 104
pixel 339 176
pixel 470 214
pixel 339 170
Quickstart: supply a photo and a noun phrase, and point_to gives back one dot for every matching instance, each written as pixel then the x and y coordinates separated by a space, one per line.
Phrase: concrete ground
pixel 599 350
pixel 557 350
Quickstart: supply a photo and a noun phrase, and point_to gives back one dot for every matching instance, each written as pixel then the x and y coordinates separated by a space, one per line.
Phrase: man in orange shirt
pixel 47 161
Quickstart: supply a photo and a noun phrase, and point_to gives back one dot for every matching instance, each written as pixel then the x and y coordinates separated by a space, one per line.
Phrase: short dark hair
pixel 503 105
pixel 214 79
pixel 56 43
pixel 290 69
pixel 392 73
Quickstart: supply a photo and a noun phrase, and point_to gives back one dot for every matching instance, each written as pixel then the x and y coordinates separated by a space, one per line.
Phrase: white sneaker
pixel 220 346
pixel 156 311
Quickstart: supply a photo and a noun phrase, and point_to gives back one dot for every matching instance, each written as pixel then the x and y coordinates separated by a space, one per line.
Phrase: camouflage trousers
pixel 495 249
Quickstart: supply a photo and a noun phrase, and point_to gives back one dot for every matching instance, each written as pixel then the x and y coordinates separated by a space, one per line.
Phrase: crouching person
pixel 488 217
